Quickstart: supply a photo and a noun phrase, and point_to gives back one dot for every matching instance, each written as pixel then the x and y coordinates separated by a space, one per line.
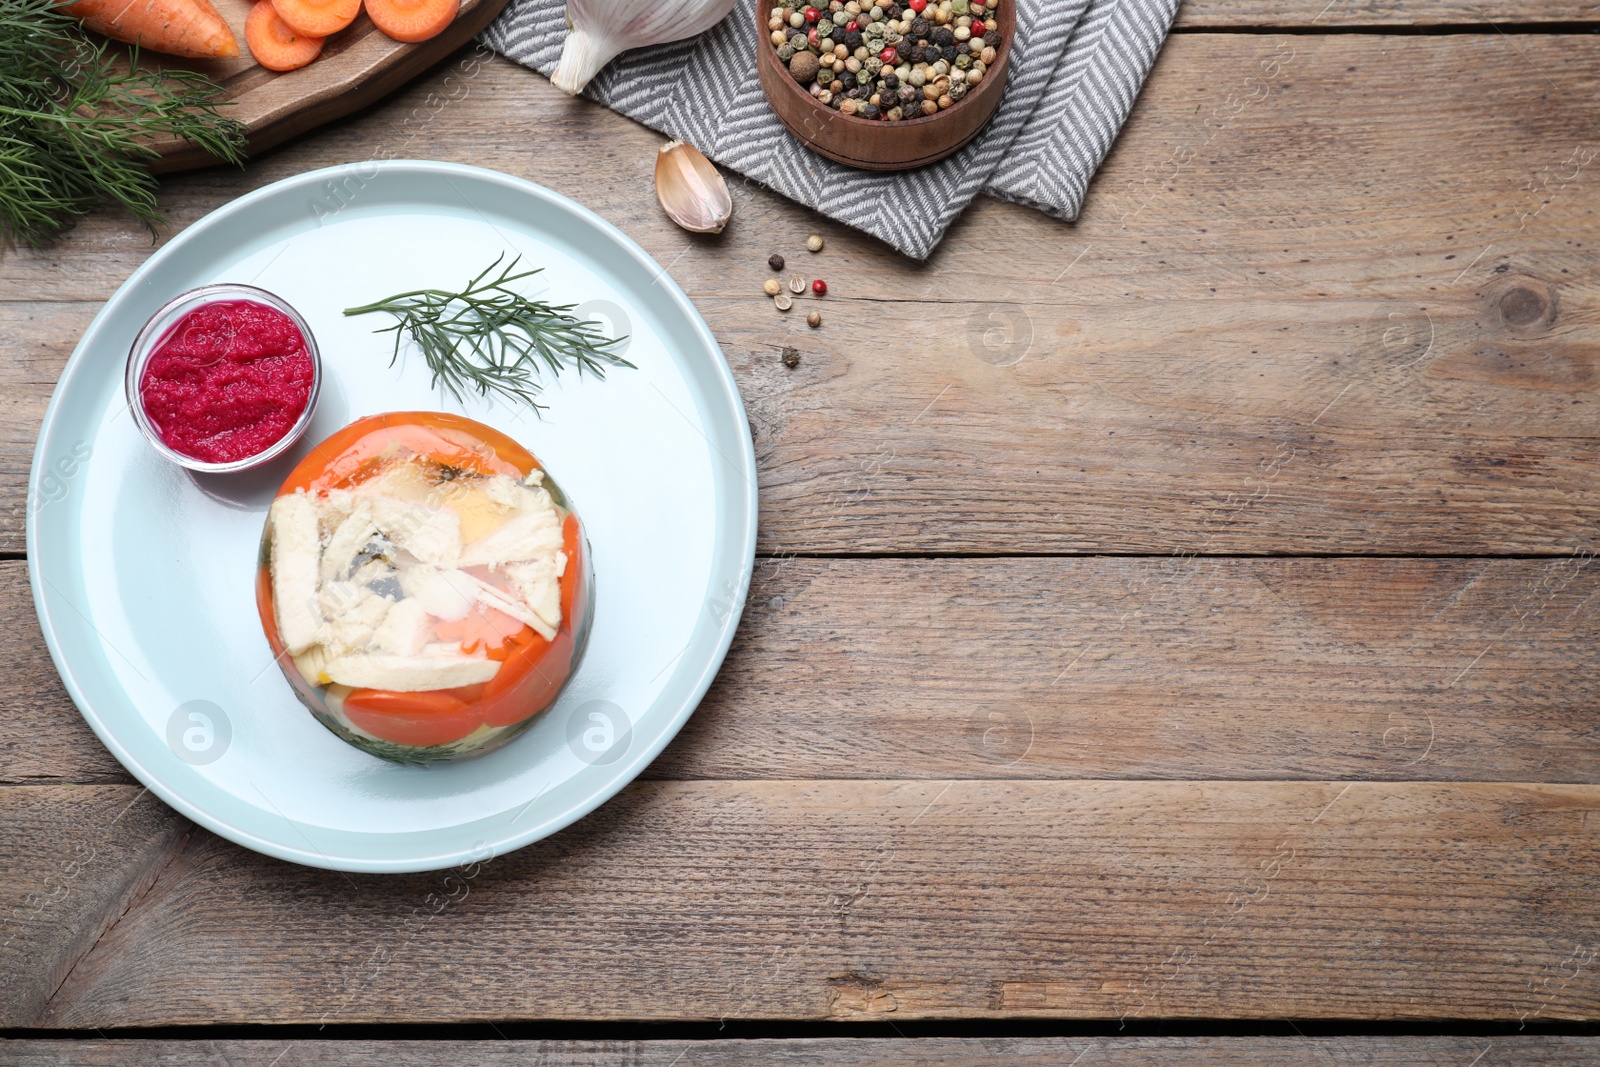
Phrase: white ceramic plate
pixel 143 574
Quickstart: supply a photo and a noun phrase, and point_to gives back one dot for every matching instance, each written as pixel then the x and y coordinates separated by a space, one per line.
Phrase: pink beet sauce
pixel 227 381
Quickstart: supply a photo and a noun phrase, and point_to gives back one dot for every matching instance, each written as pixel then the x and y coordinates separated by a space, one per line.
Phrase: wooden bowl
pixel 877 144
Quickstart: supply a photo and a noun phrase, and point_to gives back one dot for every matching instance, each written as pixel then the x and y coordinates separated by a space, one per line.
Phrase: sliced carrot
pixel 317 18
pixel 483 628
pixel 412 20
pixel 420 719
pixel 275 44
pixel 177 27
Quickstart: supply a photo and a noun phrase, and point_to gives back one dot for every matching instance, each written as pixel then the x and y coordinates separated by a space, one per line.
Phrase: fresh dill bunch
pixel 489 338
pixel 75 123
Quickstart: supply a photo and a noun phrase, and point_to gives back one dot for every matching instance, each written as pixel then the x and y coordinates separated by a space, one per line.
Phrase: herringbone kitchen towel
pixel 1066 68
pixel 1068 135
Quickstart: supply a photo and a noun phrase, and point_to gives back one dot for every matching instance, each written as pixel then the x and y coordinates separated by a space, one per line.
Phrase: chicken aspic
pixel 424 585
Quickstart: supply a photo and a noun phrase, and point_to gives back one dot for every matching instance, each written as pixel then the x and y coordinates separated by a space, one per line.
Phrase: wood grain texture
pixel 1344 14
pixel 1322 300
pixel 358 66
pixel 1280 327
pixel 1087 668
pixel 45 740
pixel 72 860
pixel 901 900
pixel 1341 1051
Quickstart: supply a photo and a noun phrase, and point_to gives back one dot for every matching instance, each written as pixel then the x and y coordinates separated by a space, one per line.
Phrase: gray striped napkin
pixel 1076 67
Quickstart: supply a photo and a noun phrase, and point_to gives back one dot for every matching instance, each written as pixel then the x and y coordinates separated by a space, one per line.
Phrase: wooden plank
pixel 1345 14
pixel 1116 668
pixel 35 340
pixel 1341 1051
pixel 71 862
pixel 852 900
pixel 45 740
pixel 1230 354
pixel 1085 668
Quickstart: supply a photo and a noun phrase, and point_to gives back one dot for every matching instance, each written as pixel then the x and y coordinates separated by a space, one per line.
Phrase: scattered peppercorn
pixel 783 301
pixel 814 242
pixel 791 358
pixel 819 287
pixel 797 285
pixel 814 319
pixel 772 288
pixel 775 261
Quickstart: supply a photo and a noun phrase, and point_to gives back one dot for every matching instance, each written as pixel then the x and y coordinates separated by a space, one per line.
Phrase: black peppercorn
pixel 948 53
pixel 944 35
pixel 920 27
pixel 908 93
pixel 917 53
pixel 775 261
pixel 848 79
pixel 992 38
pixel 791 358
pixel 962 48
pixel 869 112
pixel 891 80
pixel 853 40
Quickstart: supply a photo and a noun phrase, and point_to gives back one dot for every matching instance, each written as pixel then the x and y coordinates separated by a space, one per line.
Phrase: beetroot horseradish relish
pixel 228 381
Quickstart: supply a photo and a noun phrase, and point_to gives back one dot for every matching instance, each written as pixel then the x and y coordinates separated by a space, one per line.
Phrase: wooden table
pixel 1166 626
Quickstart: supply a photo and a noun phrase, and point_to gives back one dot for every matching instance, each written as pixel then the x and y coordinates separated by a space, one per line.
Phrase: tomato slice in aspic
pixel 420 719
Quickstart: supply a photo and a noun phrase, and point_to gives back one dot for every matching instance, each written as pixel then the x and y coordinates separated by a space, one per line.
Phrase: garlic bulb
pixel 691 190
pixel 603 28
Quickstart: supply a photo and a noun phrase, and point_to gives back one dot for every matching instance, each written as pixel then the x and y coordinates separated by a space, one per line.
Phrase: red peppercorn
pixel 978 28
pixel 811 35
pixel 916 5
pixel 819 287
pixel 889 56
pixel 812 14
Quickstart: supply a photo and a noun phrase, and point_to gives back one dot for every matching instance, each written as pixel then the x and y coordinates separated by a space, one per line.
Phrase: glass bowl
pixel 159 329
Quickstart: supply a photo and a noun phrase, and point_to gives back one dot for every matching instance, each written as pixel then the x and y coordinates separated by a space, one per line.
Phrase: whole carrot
pixel 177 27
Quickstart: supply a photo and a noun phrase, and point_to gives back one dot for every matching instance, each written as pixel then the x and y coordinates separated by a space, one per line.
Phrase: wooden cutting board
pixel 358 66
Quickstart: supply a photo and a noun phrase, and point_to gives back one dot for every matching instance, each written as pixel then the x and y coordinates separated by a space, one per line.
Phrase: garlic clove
pixel 691 190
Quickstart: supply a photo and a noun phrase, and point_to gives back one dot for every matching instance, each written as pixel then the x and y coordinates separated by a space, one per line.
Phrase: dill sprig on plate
pixel 76 120
pixel 489 338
